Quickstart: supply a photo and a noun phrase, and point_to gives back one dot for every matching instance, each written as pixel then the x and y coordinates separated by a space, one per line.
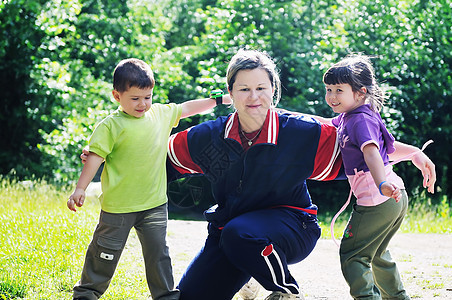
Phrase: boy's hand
pixel 227 99
pixel 76 199
pixel 391 190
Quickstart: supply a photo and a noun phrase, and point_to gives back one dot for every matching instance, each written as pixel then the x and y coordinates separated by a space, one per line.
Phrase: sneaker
pixel 250 290
pixel 281 296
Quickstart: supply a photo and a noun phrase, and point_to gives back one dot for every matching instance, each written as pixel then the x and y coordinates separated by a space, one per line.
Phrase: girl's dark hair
pixel 357 71
pixel 132 72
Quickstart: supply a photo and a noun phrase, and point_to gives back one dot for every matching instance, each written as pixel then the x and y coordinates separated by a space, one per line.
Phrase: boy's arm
pixel 193 107
pixel 93 162
pixel 377 169
pixel 420 160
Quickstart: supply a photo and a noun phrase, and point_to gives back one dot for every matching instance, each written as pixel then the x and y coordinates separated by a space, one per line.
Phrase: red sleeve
pixel 328 161
pixel 179 155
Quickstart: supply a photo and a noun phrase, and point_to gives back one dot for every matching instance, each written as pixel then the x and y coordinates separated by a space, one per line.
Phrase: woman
pixel 258 162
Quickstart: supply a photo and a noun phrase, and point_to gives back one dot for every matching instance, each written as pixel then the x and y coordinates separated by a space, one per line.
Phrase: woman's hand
pixel 427 167
pixel 84 155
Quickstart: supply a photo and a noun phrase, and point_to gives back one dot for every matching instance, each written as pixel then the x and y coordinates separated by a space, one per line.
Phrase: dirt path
pixel 424 260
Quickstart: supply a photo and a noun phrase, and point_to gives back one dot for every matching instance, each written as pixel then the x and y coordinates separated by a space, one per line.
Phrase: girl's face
pixel 252 93
pixel 342 99
pixel 134 102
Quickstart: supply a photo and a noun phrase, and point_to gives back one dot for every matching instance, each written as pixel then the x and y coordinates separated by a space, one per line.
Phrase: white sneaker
pixel 282 296
pixel 250 290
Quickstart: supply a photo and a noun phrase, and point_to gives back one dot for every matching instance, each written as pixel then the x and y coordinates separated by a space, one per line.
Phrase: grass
pixel 422 217
pixel 43 244
pixel 40 241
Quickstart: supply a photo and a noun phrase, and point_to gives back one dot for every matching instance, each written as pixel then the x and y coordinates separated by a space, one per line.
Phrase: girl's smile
pixel 342 99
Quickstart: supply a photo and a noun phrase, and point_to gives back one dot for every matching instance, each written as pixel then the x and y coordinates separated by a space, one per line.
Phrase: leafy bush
pixel 59 57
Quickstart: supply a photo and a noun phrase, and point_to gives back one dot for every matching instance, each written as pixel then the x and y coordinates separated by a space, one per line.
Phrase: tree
pixel 305 37
pixel 412 42
pixel 59 57
pixel 24 110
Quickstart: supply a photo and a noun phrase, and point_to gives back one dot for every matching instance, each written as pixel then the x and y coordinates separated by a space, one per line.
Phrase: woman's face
pixel 252 93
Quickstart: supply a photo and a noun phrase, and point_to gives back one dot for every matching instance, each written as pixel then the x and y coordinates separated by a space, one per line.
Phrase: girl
pixel 365 143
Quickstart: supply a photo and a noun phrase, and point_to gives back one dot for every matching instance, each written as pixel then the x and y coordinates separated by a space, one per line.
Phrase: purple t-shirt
pixel 357 129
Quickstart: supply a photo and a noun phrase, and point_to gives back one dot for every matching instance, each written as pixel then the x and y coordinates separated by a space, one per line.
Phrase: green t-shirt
pixel 135 151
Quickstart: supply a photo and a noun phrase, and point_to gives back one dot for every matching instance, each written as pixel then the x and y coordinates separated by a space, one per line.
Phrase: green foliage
pixel 10 289
pixel 434 217
pixel 412 40
pixel 59 57
pixel 22 107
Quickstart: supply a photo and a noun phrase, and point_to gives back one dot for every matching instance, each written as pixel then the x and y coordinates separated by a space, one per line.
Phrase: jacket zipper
pixel 239 187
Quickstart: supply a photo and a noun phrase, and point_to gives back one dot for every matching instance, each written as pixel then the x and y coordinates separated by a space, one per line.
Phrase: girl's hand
pixel 391 190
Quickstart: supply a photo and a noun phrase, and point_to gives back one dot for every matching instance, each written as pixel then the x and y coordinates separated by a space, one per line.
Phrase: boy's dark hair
pixel 132 72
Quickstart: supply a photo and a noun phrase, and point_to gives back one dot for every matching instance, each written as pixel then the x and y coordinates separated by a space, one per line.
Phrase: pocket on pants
pixel 109 243
pixel 108 249
pixel 111 236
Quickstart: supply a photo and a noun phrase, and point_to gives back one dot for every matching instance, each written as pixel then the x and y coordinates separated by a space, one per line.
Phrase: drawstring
pixel 352 187
pixel 412 154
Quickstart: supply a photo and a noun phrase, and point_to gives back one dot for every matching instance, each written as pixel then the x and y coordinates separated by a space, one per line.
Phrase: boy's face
pixel 134 102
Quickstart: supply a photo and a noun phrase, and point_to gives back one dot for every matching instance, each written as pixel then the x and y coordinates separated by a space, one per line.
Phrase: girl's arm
pixel 318 118
pixel 376 167
pixel 92 164
pixel 420 160
pixel 193 107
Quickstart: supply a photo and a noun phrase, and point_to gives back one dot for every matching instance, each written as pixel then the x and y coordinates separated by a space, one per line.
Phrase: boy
pixel 133 142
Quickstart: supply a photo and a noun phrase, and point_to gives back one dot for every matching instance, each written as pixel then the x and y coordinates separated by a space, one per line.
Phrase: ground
pixel 424 261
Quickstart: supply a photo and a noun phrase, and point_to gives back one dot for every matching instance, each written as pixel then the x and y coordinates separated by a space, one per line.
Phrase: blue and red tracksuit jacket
pixel 271 173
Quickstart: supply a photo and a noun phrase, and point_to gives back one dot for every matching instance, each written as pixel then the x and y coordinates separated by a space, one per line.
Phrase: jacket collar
pixel 268 135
